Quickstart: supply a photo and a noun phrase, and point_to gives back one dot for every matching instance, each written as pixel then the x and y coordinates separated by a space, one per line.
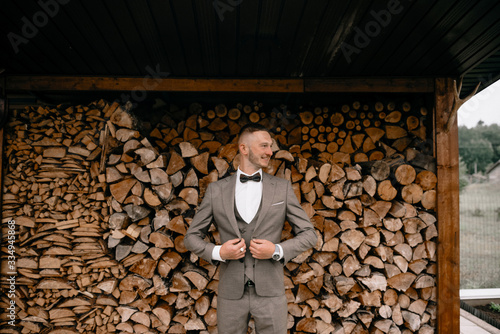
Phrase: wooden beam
pixel 370 85
pixel 149 83
pixel 448 213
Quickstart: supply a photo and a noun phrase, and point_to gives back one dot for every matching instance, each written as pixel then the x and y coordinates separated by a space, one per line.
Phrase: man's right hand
pixel 234 249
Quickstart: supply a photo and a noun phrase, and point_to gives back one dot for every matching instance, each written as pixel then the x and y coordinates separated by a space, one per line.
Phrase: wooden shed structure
pixel 117 114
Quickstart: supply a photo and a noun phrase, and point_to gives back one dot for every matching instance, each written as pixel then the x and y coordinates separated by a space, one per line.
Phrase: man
pixel 249 208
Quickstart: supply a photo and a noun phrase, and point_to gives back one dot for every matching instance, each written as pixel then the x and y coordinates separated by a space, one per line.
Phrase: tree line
pixel 479 147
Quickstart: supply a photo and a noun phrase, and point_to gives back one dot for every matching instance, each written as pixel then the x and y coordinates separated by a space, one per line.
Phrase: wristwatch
pixel 276 255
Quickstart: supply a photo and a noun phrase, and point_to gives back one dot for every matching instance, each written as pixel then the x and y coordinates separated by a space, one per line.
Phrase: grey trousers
pixel 269 314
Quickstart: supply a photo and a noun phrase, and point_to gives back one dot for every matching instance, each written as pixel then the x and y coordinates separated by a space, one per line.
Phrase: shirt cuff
pixel 281 251
pixel 216 254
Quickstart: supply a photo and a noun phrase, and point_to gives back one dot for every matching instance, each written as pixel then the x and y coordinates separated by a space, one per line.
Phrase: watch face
pixel 276 257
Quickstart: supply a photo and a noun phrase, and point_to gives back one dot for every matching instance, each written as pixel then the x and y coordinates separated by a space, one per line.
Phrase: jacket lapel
pixel 228 202
pixel 268 188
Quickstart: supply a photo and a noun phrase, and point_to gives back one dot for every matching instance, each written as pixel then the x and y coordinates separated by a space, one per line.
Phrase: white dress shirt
pixel 248 196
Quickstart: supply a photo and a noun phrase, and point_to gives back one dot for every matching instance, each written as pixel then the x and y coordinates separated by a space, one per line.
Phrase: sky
pixel 484 106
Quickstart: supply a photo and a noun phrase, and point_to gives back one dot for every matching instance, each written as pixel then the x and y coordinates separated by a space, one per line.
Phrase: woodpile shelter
pixel 116 115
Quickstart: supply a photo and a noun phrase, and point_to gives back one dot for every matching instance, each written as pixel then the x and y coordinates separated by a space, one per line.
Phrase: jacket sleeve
pixel 305 234
pixel 195 237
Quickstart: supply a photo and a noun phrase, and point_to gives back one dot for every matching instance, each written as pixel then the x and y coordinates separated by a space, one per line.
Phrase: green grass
pixel 495 307
pixel 480 236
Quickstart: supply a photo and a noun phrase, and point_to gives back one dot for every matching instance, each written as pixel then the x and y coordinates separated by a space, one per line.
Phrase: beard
pixel 258 161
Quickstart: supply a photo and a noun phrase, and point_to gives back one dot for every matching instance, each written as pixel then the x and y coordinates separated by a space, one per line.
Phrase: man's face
pixel 259 150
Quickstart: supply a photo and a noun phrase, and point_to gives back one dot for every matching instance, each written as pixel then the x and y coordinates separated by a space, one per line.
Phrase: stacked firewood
pixel 53 192
pixel 362 172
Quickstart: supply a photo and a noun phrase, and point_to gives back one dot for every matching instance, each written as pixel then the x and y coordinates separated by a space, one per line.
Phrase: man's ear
pixel 243 148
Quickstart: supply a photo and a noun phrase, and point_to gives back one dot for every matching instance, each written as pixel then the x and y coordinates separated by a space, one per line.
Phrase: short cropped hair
pixel 251 128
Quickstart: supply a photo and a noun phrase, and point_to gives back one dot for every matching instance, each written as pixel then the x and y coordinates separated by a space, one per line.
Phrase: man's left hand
pixel 262 249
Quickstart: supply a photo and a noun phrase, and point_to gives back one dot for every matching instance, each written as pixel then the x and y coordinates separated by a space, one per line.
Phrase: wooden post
pixel 448 212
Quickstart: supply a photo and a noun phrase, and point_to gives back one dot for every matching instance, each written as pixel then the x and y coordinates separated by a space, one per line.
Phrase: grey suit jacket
pixel 279 203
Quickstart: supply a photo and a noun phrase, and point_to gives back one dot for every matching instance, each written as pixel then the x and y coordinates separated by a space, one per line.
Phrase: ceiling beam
pixel 375 85
pixel 151 83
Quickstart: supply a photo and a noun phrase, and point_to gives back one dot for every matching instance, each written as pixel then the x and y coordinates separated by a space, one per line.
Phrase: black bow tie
pixel 255 177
